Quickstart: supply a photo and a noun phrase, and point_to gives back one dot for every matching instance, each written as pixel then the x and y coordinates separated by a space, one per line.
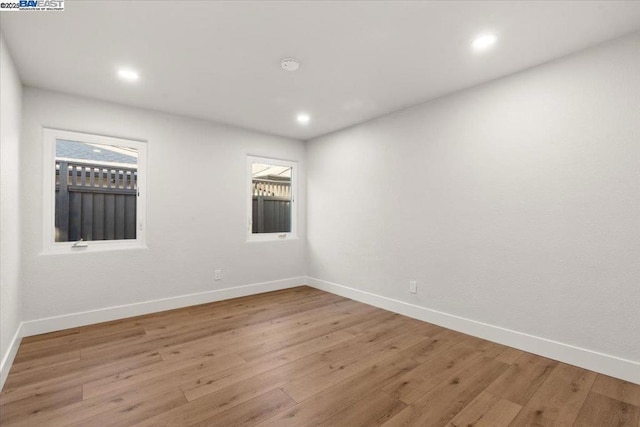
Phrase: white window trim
pixel 50 246
pixel 269 237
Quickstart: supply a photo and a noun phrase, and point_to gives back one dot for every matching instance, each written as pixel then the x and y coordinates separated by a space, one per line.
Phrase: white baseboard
pixel 7 360
pixel 57 323
pixel 627 370
pixel 610 365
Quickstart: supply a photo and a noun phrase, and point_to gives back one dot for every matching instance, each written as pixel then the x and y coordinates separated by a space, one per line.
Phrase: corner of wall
pixel 7 360
pixel 10 218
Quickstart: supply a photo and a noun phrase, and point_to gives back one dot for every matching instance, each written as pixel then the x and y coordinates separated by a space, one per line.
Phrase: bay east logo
pixel 37 5
pixel 41 4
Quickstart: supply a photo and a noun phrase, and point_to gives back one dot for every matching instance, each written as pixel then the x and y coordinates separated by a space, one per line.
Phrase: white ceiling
pixel 360 60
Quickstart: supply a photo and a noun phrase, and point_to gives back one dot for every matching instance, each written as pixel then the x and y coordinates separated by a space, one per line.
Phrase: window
pixel 94 192
pixel 272 196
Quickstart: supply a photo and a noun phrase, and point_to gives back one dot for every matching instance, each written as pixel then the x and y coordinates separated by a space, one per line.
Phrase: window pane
pixel 271 210
pixel 96 191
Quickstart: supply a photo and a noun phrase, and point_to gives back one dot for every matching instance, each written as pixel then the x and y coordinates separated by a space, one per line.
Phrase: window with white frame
pixel 94 192
pixel 272 198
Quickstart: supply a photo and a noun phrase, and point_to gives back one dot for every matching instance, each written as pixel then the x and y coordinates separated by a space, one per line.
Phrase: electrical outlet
pixel 217 275
pixel 413 286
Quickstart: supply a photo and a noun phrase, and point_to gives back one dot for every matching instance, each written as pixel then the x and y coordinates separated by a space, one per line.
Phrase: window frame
pixel 50 246
pixel 262 237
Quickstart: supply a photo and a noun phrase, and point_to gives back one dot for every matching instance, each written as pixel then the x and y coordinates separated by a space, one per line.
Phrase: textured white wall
pixel 515 203
pixel 10 113
pixel 196 211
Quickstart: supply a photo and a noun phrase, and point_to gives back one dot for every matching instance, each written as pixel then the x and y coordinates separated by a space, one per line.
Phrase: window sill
pixel 92 246
pixel 271 237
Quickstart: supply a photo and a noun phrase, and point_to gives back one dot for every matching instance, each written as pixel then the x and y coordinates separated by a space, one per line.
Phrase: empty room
pixel 319 213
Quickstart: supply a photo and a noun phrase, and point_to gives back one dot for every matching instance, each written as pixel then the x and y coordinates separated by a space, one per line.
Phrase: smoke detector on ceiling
pixel 290 64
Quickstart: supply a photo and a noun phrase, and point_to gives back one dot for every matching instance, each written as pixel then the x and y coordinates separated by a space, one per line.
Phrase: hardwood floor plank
pixel 433 371
pixel 163 342
pixel 243 312
pixel 486 410
pixel 283 296
pixel 374 409
pixel 306 348
pixel 376 317
pixel 252 412
pixel 297 357
pixel 212 383
pixel 499 352
pixel 235 394
pixel 342 395
pixel 44 372
pixel 374 338
pixel 617 389
pixel 559 399
pixel 603 411
pixel 176 371
pixel 27 408
pixel 244 338
pixel 80 376
pixel 380 329
pixel 42 349
pixel 130 414
pixel 255 351
pixel 44 363
pixel 442 403
pixel 81 338
pixel 89 330
pixel 523 378
pixel 341 369
pixel 509 355
pixel 434 344
pixel 204 385
pixel 107 401
pixel 60 372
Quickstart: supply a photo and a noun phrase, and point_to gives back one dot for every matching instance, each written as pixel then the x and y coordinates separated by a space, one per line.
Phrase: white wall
pixel 10 113
pixel 515 203
pixel 196 214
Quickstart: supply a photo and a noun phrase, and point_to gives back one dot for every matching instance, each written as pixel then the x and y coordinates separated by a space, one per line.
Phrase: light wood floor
pixel 298 357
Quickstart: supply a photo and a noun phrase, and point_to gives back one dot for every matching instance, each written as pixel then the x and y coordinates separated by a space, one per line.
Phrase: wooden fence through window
pixel 271 205
pixel 95 202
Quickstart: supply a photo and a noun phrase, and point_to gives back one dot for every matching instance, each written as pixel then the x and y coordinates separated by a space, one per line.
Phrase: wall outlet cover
pixel 413 286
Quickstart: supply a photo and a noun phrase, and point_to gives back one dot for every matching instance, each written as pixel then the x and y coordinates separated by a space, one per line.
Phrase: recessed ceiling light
pixel 128 74
pixel 97 150
pixel 484 41
pixel 290 64
pixel 303 118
